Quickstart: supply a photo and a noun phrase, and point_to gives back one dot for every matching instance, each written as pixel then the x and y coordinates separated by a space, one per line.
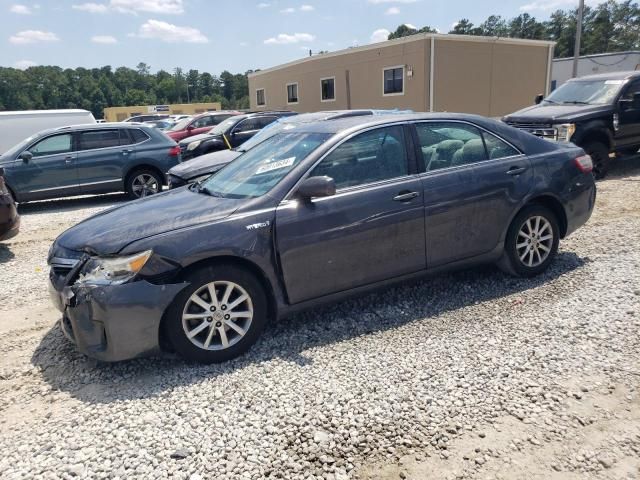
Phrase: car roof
pixel 609 76
pixel 340 124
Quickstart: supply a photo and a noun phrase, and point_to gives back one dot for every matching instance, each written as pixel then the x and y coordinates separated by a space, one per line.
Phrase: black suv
pixel 600 113
pixel 229 134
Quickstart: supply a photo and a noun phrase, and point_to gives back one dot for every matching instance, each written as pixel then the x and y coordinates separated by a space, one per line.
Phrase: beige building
pixel 423 72
pixel 118 114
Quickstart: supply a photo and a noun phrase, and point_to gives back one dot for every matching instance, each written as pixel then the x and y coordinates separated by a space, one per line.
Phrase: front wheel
pixel 219 316
pixel 531 243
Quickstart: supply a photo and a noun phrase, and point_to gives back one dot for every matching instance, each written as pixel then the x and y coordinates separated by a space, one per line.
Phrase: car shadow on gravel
pixel 6 254
pixel 623 167
pixel 71 203
pixel 64 369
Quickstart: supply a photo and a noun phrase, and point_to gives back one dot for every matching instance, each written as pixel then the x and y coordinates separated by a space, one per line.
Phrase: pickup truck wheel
pixel 142 183
pixel 531 243
pixel 219 316
pixel 600 156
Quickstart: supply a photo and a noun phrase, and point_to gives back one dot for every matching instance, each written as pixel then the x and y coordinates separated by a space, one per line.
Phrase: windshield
pixel 256 172
pixel 224 127
pixel 592 92
pixel 181 125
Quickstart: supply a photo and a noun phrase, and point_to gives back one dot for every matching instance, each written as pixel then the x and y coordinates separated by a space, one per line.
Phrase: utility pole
pixel 576 47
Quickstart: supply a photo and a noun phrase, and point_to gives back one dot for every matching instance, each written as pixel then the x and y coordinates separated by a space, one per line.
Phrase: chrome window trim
pixel 330 151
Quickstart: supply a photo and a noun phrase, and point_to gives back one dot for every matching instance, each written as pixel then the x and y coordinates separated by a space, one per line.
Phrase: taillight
pixel 584 163
pixel 174 151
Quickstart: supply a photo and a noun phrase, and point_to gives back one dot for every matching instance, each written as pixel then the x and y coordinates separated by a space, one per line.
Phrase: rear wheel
pixel 219 316
pixel 142 183
pixel 531 243
pixel 599 154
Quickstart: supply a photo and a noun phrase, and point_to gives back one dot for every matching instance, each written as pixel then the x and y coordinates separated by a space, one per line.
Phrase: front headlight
pixel 112 270
pixel 194 145
pixel 566 131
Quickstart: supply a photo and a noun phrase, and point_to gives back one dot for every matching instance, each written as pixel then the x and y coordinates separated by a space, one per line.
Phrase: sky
pixel 217 35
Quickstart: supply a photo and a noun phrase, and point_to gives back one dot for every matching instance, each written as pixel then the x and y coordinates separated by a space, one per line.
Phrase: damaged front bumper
pixel 114 322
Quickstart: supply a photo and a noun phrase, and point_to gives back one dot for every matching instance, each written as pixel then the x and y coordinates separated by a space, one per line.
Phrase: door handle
pixel 126 152
pixel 68 159
pixel 516 170
pixel 405 196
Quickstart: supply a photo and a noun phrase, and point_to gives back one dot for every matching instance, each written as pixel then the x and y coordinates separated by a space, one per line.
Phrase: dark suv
pixel 229 134
pixel 90 159
pixel 600 113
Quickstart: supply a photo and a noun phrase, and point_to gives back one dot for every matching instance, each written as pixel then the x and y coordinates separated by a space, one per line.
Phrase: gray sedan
pixel 313 215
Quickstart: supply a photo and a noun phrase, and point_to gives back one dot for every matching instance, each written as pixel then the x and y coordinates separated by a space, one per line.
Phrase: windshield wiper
pixel 200 188
pixel 576 102
pixel 550 101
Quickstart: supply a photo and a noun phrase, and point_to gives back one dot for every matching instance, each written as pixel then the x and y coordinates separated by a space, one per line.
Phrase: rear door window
pixel 53 145
pixel 94 139
pixel 497 148
pixel 138 135
pixel 449 144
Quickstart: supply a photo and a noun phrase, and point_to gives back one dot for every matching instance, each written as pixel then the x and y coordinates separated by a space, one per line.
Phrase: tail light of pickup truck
pixel 584 163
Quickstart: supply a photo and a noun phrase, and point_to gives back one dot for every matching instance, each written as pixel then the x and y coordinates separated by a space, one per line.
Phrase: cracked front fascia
pixel 130 314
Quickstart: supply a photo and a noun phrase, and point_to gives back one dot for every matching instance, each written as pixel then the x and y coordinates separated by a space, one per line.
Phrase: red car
pixel 198 124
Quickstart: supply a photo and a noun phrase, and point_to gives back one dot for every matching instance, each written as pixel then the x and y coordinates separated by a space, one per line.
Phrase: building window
pixel 260 101
pixel 292 93
pixel 393 81
pixel 328 89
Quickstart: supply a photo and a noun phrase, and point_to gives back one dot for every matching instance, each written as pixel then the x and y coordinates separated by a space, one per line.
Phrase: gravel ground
pixel 467 375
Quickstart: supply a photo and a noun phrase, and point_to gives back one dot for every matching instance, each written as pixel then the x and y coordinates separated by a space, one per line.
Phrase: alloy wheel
pixel 534 241
pixel 145 184
pixel 217 315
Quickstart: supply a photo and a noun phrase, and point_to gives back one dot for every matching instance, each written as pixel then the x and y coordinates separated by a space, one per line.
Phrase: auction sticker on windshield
pixel 275 165
pixel 614 82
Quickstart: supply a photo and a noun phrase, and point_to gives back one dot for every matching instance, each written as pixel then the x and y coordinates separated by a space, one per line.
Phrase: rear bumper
pixel 580 203
pixel 113 323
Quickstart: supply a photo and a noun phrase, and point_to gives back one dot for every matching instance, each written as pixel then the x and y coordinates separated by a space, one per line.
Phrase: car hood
pixel 110 231
pixel 557 113
pixel 204 164
pixel 194 138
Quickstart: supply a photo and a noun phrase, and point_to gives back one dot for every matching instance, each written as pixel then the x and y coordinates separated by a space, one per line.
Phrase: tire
pixel 599 153
pixel 143 182
pixel 515 259
pixel 210 329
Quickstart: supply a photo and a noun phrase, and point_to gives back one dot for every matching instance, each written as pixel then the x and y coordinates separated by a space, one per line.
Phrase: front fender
pixel 248 237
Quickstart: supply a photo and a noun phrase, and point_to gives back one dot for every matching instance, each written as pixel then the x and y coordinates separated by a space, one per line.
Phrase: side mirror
pixel 26 156
pixel 190 127
pixel 538 98
pixel 317 187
